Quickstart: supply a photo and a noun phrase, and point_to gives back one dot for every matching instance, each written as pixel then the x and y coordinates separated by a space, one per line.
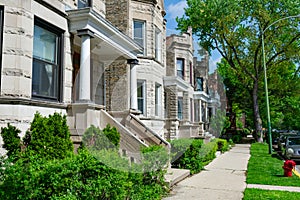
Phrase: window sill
pixel 32 102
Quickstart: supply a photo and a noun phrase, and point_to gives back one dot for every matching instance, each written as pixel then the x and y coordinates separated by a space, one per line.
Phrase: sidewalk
pixel 224 178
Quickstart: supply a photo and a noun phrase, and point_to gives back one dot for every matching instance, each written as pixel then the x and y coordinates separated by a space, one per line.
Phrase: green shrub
pixel 112 134
pixel 48 137
pixel 150 183
pixel 208 152
pixel 80 176
pixel 222 145
pixel 186 156
pixel 94 139
pixel 48 168
pixel 11 139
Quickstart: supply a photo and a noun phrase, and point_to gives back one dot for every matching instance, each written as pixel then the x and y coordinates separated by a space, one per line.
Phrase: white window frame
pixel 143 34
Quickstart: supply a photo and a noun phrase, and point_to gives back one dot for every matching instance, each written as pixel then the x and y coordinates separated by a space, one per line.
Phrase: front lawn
pixel 252 194
pixel 266 169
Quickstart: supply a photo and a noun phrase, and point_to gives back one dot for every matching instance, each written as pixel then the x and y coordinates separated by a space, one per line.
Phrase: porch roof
pixel 108 41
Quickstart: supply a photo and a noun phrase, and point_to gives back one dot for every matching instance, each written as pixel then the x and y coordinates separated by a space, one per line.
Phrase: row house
pixel 66 56
pixel 101 62
pixel 188 104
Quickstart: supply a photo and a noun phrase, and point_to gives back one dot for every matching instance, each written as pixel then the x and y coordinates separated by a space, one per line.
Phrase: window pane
pixel 180 68
pixel 44 79
pixel 44 44
pixel 83 3
pixel 180 107
pixel 199 84
pixel 138 33
pixel 140 96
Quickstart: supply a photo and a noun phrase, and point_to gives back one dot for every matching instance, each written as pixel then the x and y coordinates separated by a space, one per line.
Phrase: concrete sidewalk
pixel 224 178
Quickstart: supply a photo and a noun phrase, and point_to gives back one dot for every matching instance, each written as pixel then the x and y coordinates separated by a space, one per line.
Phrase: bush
pixel 80 176
pixel 48 168
pixel 94 139
pixel 222 145
pixel 185 154
pixel 150 183
pixel 11 139
pixel 48 137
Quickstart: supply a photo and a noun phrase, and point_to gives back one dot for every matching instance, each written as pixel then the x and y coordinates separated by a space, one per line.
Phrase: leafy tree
pixel 235 27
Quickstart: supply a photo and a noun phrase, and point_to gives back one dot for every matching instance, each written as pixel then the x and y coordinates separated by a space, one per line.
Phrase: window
pixel 180 108
pixel 47 59
pixel 1 37
pixel 158 44
pixel 180 68
pixel 191 110
pixel 139 32
pixel 157 99
pixel 83 3
pixel 141 95
pixel 199 84
pixel 191 73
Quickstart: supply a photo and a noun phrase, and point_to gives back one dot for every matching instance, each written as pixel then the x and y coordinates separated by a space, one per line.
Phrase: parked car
pixel 292 148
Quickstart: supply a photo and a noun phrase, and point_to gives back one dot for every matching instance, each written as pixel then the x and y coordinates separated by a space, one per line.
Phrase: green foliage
pixel 49 137
pixel 150 184
pixel 94 139
pixel 82 176
pixel 11 139
pixel 235 30
pixel 48 168
pixel 218 123
pixel 112 134
pixel 223 145
pixel 192 154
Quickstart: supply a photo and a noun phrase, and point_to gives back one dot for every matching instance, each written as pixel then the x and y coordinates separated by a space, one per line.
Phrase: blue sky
pixel 175 8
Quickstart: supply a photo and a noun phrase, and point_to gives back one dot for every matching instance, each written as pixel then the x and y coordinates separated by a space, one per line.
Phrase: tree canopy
pixel 235 28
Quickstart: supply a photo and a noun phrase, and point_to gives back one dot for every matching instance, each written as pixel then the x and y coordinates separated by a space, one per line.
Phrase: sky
pixel 175 8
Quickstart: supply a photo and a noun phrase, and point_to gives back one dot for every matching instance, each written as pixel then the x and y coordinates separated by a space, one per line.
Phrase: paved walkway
pixel 224 178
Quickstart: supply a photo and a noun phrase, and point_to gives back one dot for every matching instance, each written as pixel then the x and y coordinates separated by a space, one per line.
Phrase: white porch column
pixel 85 65
pixel 200 110
pixel 133 84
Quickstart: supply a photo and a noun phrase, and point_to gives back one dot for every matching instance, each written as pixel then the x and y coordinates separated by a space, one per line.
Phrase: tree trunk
pixel 257 119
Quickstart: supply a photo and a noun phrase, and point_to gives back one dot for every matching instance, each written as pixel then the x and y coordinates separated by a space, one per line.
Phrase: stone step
pixel 174 176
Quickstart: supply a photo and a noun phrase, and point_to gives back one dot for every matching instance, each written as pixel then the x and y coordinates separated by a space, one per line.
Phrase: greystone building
pixel 98 62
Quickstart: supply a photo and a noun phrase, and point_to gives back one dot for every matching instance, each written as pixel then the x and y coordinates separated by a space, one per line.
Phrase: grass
pixel 252 194
pixel 266 169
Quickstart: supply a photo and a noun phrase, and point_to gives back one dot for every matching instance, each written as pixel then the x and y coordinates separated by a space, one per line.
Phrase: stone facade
pixel 103 66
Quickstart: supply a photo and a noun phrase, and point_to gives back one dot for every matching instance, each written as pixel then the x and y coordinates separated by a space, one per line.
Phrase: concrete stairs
pixel 174 176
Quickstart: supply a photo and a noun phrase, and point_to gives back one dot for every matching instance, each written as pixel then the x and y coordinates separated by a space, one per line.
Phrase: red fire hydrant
pixel 288 167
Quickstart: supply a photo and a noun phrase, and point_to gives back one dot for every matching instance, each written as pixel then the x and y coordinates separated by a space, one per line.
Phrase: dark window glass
pixel 46 70
pixel 180 68
pixel 141 96
pixel 180 108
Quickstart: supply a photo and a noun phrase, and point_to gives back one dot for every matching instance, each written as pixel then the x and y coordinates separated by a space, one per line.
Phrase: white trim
pixel 89 19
